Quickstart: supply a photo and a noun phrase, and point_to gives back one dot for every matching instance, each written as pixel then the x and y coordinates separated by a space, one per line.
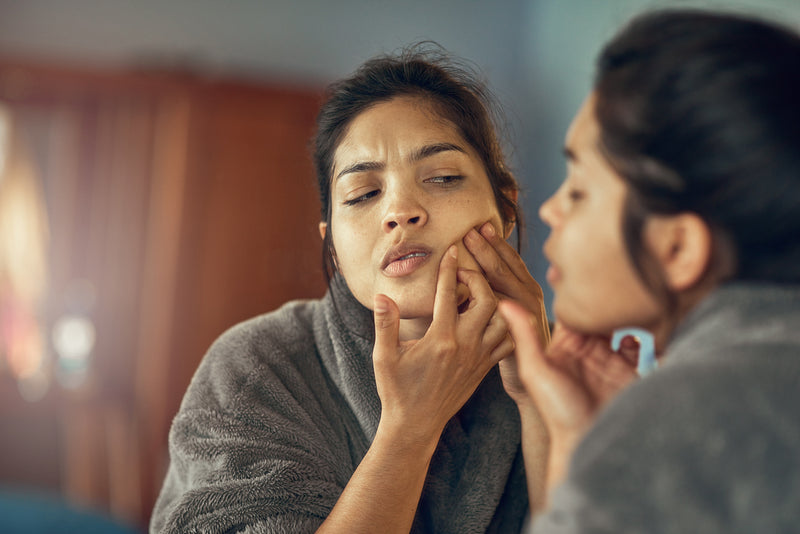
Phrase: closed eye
pixel 361 198
pixel 445 180
pixel 575 195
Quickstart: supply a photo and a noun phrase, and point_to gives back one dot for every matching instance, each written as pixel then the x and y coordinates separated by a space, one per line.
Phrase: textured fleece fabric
pixel 283 408
pixel 708 443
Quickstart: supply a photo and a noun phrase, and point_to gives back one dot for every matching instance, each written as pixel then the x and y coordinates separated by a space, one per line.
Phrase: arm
pixel 569 381
pixel 421 384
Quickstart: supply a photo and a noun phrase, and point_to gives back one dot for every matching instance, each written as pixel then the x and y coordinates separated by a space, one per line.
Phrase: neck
pixel 685 303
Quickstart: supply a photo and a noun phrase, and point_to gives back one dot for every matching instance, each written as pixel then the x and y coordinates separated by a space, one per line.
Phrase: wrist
pixel 560 456
pixel 405 439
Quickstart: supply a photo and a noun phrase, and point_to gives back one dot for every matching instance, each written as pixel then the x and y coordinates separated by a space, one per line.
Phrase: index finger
pixel 497 258
pixel 523 331
pixel 445 305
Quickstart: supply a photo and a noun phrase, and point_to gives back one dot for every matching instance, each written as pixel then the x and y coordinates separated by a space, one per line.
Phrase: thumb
pixel 561 398
pixel 387 324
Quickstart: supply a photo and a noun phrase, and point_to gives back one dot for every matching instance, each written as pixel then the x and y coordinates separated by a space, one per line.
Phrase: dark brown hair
pixel 453 90
pixel 699 112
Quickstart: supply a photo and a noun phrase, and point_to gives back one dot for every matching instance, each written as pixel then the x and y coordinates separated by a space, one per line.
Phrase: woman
pixel 377 408
pixel 683 183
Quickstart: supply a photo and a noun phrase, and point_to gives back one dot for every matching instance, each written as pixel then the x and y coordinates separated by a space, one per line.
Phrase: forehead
pixel 587 163
pixel 584 131
pixel 398 124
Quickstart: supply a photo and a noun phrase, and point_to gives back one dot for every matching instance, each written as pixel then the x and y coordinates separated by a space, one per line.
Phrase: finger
pixel 606 379
pixel 507 253
pixel 629 349
pixel 483 301
pixel 565 341
pixel 502 350
pixel 387 325
pixel 496 330
pixel 497 272
pixel 562 401
pixel 529 347
pixel 445 302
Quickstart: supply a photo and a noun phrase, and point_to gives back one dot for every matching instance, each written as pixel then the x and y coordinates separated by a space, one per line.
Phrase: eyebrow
pixel 431 150
pixel 417 155
pixel 361 166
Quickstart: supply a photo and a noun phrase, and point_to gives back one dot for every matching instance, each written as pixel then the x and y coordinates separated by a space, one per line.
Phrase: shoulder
pixel 708 445
pixel 267 350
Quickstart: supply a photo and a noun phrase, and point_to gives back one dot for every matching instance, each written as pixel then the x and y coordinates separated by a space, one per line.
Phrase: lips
pixel 404 258
pixel 553 274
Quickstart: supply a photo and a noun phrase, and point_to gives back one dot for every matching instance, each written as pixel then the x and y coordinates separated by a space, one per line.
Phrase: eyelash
pixel 362 198
pixel 443 181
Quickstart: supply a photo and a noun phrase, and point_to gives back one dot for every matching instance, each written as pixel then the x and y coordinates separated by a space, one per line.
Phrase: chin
pixel 414 302
pixel 413 298
pixel 415 309
pixel 579 322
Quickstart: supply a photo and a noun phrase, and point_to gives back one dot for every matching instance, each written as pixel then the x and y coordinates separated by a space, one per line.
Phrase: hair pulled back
pixel 700 112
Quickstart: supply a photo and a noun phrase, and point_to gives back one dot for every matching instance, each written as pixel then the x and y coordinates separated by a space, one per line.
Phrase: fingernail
pixel 380 305
pixel 629 342
pixel 472 235
pixel 453 251
pixel 488 230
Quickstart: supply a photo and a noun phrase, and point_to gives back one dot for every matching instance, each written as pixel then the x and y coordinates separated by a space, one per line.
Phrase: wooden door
pixel 177 206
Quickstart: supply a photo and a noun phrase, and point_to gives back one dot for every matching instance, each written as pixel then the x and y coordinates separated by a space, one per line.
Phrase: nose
pixel 549 211
pixel 404 210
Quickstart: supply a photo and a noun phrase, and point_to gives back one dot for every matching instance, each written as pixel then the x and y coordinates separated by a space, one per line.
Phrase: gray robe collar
pixel 478 462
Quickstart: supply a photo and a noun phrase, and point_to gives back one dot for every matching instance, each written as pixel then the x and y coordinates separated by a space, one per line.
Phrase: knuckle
pixel 448 346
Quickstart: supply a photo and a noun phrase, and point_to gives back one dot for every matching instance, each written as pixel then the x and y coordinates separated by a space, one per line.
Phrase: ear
pixel 512 195
pixel 682 244
pixel 323 229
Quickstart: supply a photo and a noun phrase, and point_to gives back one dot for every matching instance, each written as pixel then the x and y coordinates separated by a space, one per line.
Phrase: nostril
pixel 392 224
pixel 414 220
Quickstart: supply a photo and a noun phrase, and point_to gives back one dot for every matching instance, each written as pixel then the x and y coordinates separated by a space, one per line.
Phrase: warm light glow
pixel 25 351
pixel 23 265
pixel 23 221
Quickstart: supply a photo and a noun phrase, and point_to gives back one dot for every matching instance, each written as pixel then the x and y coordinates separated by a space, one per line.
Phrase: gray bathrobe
pixel 282 410
pixel 710 442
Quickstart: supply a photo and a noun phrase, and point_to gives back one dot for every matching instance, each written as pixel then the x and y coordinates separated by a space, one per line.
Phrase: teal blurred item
pixel 647 350
pixel 32 512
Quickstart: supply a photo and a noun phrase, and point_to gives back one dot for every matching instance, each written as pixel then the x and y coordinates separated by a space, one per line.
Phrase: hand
pixel 423 383
pixel 569 381
pixel 509 278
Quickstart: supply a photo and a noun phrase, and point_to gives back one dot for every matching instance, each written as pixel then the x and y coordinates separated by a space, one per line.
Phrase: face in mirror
pixel 405 187
pixel 597 288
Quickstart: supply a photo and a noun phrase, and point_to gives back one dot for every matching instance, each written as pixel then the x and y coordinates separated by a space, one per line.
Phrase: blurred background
pixel 155 189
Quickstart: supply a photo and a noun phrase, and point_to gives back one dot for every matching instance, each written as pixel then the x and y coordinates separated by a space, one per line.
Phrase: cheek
pixel 460 227
pixel 601 290
pixel 472 213
pixel 591 267
pixel 352 250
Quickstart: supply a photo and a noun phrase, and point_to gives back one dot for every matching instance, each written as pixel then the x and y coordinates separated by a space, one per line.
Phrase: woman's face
pixel 405 187
pixel 596 286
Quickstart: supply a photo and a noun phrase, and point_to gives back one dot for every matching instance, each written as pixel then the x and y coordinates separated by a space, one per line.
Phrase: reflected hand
pixel 569 381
